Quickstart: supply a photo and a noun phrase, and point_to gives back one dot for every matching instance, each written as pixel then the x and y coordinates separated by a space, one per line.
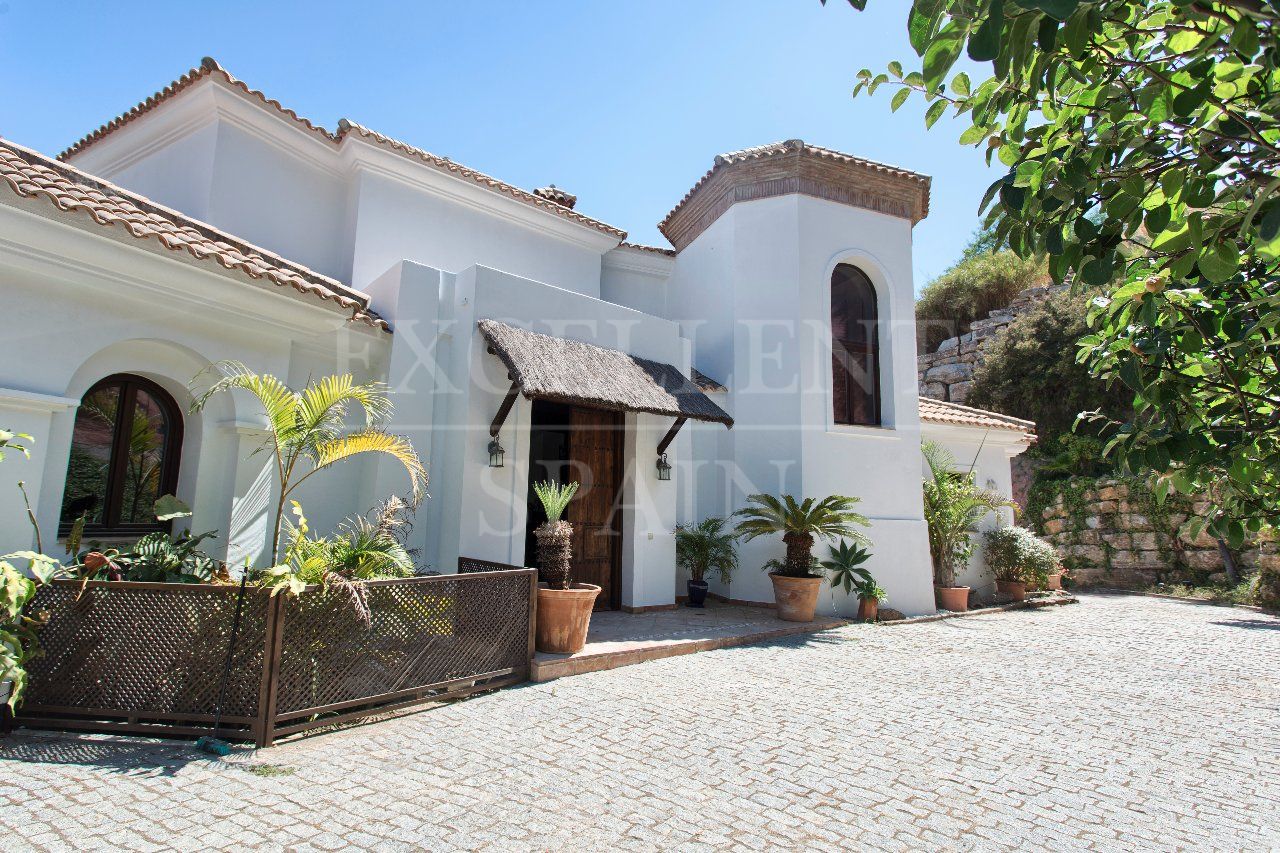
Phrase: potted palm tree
pixel 797 579
pixel 705 547
pixel 564 607
pixel 953 506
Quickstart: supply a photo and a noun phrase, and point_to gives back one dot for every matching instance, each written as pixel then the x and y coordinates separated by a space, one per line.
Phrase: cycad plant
pixel 308 430
pixel 801 523
pixel 707 547
pixel 555 535
pixel 953 506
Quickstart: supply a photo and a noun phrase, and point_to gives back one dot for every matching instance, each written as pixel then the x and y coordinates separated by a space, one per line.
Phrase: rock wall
pixel 1111 533
pixel 947 373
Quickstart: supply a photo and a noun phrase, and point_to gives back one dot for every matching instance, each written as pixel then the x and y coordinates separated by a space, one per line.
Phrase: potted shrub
pixel 870 596
pixel 797 579
pixel 1056 577
pixel 953 506
pixel 564 607
pixel 705 547
pixel 1018 558
pixel 844 571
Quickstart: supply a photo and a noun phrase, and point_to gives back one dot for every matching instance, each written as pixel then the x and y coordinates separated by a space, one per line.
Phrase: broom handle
pixel 231 650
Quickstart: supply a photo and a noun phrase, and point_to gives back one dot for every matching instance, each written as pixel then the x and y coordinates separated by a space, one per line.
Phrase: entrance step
pixel 621 639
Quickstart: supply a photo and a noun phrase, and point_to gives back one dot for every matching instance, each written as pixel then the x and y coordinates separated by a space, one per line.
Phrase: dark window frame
pixel 870 347
pixel 130 384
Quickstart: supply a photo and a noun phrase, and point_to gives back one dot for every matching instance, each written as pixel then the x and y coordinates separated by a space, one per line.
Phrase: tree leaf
pixel 922 23
pixel 1220 262
pixel 941 54
pixel 984 44
pixel 935 111
pixel 168 507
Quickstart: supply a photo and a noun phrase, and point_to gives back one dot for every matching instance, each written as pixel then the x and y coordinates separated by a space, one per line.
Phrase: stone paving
pixel 1118 723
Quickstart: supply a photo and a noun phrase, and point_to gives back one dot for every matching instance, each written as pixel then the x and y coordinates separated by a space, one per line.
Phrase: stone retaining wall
pixel 1106 534
pixel 947 373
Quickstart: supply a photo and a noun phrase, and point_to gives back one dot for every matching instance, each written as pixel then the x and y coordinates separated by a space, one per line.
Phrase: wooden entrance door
pixel 595 461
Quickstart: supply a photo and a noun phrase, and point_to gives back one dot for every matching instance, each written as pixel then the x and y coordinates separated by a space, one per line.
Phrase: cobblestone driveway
pixel 1116 723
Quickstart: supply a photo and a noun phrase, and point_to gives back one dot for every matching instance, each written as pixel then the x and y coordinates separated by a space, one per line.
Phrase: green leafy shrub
pixel 1030 371
pixel 1264 588
pixel 363 548
pixel 978 284
pixel 707 547
pixel 1017 554
pixel 953 506
pixel 155 558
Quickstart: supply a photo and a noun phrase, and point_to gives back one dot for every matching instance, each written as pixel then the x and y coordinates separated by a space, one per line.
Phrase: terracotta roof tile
pixel 347 127
pixel 559 196
pixel 30 175
pixel 657 250
pixel 954 414
pixel 792 146
pixel 208 67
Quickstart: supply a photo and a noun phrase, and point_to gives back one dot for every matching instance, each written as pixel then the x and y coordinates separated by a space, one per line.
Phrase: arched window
pixel 855 348
pixel 124 455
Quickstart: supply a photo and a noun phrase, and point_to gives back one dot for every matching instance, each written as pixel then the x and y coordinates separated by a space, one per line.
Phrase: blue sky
pixel 623 103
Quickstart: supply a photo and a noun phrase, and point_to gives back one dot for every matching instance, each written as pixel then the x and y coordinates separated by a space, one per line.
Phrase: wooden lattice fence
pixel 149 657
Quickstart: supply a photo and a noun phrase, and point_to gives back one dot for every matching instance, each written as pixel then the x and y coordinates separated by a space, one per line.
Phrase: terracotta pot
pixel 796 598
pixel 868 609
pixel 564 615
pixel 1055 581
pixel 953 598
pixel 1017 590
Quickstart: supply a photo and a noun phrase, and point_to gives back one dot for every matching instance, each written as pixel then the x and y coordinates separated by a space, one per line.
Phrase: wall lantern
pixel 495 453
pixel 495 447
pixel 664 468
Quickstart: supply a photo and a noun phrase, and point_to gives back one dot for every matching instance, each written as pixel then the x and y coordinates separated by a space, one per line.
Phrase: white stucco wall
pixel 753 291
pixel 395 221
pixel 479 511
pixel 95 305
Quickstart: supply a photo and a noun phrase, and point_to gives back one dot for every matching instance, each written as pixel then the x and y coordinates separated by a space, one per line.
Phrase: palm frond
pixel 707 547
pixel 370 440
pixel 278 402
pixel 323 405
pixel 831 517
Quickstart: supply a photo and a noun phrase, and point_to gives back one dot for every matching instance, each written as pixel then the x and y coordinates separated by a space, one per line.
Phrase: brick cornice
pixel 795 168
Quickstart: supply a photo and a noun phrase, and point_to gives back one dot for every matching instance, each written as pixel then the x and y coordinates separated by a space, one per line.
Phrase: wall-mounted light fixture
pixel 664 468
pixel 495 446
pixel 495 453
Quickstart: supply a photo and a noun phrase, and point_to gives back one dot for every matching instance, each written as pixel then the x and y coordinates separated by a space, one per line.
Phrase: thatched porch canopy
pixel 549 368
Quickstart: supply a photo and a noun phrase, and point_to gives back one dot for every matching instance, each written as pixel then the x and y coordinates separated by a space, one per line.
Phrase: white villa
pixel 773 349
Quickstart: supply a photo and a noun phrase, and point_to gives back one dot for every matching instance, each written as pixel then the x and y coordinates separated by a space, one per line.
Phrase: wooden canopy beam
pixel 670 436
pixel 504 409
